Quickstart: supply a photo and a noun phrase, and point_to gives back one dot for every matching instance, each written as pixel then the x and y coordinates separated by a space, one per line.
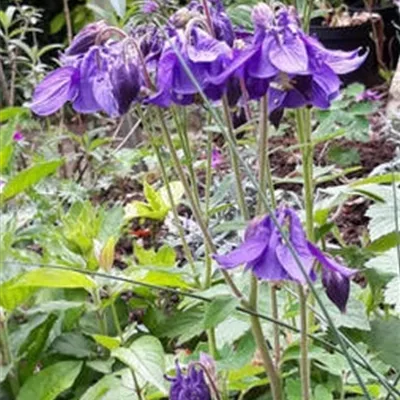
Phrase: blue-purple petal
pixel 55 90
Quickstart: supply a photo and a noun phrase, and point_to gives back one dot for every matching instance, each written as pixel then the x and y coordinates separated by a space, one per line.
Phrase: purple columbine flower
pixel 292 67
pixel 105 78
pixel 191 386
pixel 18 136
pixel 266 254
pixel 204 57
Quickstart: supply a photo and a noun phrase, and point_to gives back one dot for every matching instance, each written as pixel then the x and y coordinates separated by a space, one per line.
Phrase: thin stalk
pixel 137 387
pixel 99 313
pixel 304 133
pixel 7 354
pixel 208 269
pixel 262 344
pixel 182 132
pixel 117 323
pixel 212 343
pixel 181 232
pixel 195 208
pixel 265 181
pixel 234 160
pixel 67 15
pixel 304 361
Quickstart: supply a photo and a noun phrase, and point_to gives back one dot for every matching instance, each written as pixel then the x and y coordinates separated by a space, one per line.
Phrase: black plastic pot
pixel 389 14
pixel 351 38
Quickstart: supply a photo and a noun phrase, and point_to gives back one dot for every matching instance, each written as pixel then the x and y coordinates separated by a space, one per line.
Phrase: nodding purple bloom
pixel 150 7
pixel 294 69
pixel 222 25
pixel 203 55
pixel 105 78
pixel 191 386
pixel 216 158
pixel 18 136
pixel 266 254
pixel 85 39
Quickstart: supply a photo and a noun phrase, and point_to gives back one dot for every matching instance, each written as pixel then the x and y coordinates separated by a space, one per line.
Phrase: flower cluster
pixel 100 73
pixel 269 258
pixel 191 386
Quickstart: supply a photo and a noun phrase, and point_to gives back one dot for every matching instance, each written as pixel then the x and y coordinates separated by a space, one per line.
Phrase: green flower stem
pixel 187 151
pixel 303 120
pixel 195 208
pixel 212 344
pixel 181 231
pixel 235 161
pixel 7 354
pixel 265 181
pixel 117 323
pixel 100 314
pixel 261 343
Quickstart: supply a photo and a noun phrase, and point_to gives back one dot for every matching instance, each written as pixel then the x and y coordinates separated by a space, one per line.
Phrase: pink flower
pixel 216 158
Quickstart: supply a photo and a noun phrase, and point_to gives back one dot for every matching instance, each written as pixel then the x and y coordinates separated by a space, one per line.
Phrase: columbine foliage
pixel 128 210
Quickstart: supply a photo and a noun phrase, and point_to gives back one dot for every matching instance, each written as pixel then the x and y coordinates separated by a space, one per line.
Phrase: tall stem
pixel 304 132
pixel 261 343
pixel 7 354
pixel 99 312
pixel 265 181
pixel 195 208
pixel 234 160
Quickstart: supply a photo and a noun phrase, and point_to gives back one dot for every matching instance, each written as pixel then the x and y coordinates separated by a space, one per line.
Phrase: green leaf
pixel 386 264
pixel 322 393
pixel 146 357
pixel 108 342
pixel 48 277
pixel 177 193
pixel 101 388
pixel 57 23
pixel 27 178
pixel 153 197
pixel 392 293
pixel 382 215
pixel 293 389
pixel 6 152
pixel 75 345
pixel 218 310
pixel 12 296
pixel 164 257
pixel 51 381
pixel 12 112
pixel 384 339
pixel 164 278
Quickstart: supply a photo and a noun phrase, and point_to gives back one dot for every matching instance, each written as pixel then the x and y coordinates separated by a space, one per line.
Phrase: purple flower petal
pixel 290 57
pixel 260 66
pixel 299 242
pixel 55 90
pixel 247 252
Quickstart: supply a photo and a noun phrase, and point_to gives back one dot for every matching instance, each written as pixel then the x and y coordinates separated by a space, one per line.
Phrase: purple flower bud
pixel 18 136
pixel 191 386
pixel 150 7
pixel 85 38
pixel 262 16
